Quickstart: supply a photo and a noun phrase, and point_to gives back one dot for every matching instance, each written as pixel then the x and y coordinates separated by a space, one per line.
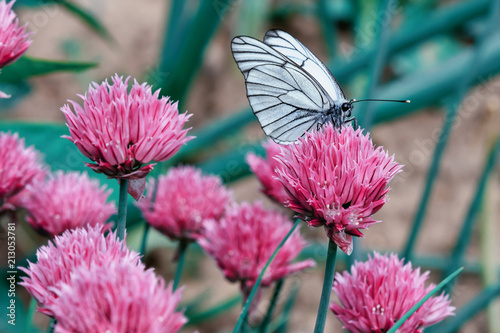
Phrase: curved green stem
pixel 122 209
pixel 181 254
pixel 244 312
pixel 327 287
pixel 272 304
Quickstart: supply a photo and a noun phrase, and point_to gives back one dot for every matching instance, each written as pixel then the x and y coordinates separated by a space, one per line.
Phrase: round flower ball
pixel 120 298
pixel 19 166
pixel 67 201
pixel 375 294
pixel 336 179
pixel 121 131
pixel 185 199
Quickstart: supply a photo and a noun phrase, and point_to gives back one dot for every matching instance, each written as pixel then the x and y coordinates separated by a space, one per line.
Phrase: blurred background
pixel 443 55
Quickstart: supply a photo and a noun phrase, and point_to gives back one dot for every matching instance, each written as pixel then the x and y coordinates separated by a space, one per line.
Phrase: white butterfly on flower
pixel 290 90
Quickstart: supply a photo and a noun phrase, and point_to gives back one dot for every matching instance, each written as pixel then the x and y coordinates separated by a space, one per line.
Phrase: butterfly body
pixel 290 90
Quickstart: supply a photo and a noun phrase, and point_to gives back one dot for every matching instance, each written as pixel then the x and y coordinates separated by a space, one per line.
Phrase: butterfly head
pixel 346 108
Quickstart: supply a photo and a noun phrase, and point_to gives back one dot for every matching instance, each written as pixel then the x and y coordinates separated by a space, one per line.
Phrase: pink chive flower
pixel 122 131
pixel 18 167
pixel 185 199
pixel 14 40
pixel 336 180
pixel 378 292
pixel 120 298
pixel 81 247
pixel 264 169
pixel 51 212
pixel 242 242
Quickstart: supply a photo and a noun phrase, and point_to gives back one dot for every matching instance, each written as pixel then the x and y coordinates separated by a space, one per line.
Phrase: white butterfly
pixel 290 90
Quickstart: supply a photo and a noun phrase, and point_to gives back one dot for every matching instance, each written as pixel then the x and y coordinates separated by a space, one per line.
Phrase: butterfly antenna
pixel 380 100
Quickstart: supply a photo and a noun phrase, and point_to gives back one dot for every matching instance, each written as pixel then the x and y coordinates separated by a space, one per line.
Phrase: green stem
pixel 52 325
pixel 145 238
pixel 283 323
pixel 31 313
pixel 272 304
pixel 181 254
pixel 122 209
pixel 244 312
pixel 147 226
pixel 327 287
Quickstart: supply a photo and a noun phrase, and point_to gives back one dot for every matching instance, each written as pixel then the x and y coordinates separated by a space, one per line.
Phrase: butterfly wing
pixel 288 45
pixel 284 97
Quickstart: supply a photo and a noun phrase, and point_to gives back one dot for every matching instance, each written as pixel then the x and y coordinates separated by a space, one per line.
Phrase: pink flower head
pixel 18 167
pixel 81 247
pixel 377 293
pixel 14 39
pixel 121 297
pixel 185 199
pixel 264 169
pixel 336 179
pixel 67 201
pixel 242 242
pixel 123 131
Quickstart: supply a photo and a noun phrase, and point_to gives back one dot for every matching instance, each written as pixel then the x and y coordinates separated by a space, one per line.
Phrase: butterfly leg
pixel 354 122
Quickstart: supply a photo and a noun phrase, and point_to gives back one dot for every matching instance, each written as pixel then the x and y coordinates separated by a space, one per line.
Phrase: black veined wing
pixel 294 50
pixel 290 90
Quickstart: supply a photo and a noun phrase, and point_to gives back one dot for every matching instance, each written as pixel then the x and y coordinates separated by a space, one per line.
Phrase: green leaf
pixel 27 67
pixel 422 301
pixel 182 57
pixel 85 16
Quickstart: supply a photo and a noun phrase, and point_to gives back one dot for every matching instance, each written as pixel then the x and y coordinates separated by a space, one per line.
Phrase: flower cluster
pixel 265 170
pixel 14 40
pixel 122 131
pixel 242 242
pixel 184 200
pixel 84 274
pixel 51 212
pixel 120 297
pixel 74 248
pixel 19 166
pixel 336 179
pixel 377 293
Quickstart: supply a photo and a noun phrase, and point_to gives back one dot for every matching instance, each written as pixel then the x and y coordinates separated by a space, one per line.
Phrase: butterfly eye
pixel 346 107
